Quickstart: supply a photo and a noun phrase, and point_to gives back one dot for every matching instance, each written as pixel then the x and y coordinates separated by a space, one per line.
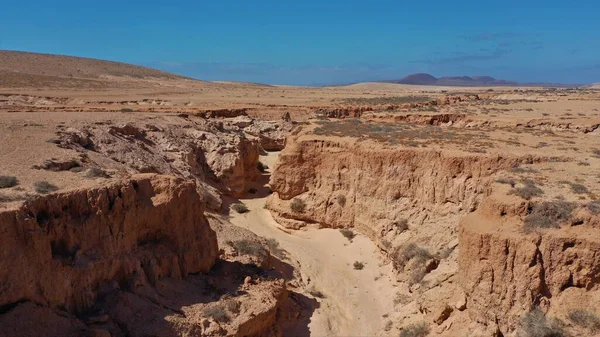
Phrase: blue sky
pixel 319 42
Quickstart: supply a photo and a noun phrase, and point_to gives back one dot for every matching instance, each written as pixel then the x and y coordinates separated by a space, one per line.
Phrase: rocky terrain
pixel 159 205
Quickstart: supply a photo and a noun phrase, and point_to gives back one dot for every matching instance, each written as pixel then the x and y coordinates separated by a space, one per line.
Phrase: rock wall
pixel 506 272
pixel 59 250
pixel 373 188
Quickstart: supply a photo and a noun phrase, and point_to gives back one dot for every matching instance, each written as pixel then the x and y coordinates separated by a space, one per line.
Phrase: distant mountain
pixel 460 81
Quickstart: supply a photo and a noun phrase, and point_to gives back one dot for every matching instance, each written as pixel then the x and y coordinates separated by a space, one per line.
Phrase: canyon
pixel 148 204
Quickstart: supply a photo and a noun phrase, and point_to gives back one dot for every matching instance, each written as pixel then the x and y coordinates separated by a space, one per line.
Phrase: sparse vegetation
pixel 348 234
pixel 218 313
pixel 341 199
pixel 394 100
pixel 246 247
pixel 275 249
pixel 8 181
pixel 126 110
pixel 298 205
pixel 358 265
pixel 402 225
pixel 44 187
pixel 240 208
pixel 585 319
pixel 528 191
pixel 415 330
pixel 419 255
pixel 548 214
pixel 577 188
pixel 506 181
pixel 536 324
pixel 261 167
pixel 316 293
pixel 594 207
pixel 95 172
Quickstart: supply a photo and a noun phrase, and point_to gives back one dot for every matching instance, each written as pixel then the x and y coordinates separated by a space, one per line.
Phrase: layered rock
pixel 210 152
pixel 58 251
pixel 133 258
pixel 506 272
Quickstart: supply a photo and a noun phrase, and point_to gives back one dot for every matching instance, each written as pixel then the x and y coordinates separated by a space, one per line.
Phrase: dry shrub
pixel 402 225
pixel 415 330
pixel 536 324
pixel 44 187
pixel 275 249
pixel 585 319
pixel 341 200
pixel 577 188
pixel 316 293
pixel 358 265
pixel 548 214
pixel 8 181
pixel 298 205
pixel 240 208
pixel 348 233
pixel 217 312
pixel 528 191
pixel 246 247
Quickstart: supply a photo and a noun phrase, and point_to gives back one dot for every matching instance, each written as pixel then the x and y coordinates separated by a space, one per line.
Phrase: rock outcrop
pixel 59 251
pixel 506 272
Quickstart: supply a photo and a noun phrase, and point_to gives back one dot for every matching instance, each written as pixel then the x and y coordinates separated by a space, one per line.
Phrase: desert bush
pixel 275 249
pixel 240 208
pixel 415 330
pixel 536 324
pixel 126 110
pixel 528 191
pixel 506 181
pixel 95 172
pixel 217 312
pixel 348 233
pixel 341 200
pixel 298 205
pixel 246 247
pixel 585 319
pixel 8 181
pixel 412 251
pixel 261 167
pixel 316 293
pixel 594 207
pixel 358 265
pixel 577 188
pixel 233 306
pixel 548 214
pixel 44 187
pixel 523 170
pixel 596 152
pixel 402 225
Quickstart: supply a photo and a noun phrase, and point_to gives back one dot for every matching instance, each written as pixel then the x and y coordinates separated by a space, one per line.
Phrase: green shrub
pixel 44 187
pixel 8 181
pixel 298 205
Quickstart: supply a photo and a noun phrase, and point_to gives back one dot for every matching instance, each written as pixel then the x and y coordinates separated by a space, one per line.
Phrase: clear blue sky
pixel 319 42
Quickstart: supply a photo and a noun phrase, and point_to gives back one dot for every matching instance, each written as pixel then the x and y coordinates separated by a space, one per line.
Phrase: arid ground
pixel 139 203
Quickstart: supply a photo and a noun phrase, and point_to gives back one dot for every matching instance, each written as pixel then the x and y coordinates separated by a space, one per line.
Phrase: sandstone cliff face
pixel 506 272
pixel 133 258
pixel 373 188
pixel 58 251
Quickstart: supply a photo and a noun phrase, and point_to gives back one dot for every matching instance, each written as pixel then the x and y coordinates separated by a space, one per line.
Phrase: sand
pixel 355 301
